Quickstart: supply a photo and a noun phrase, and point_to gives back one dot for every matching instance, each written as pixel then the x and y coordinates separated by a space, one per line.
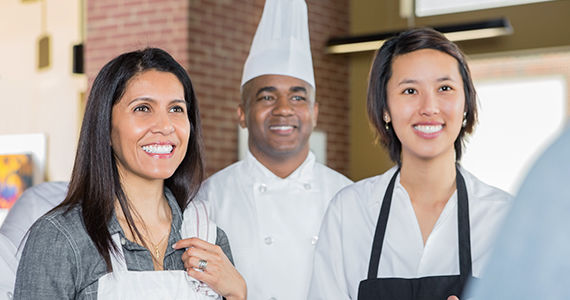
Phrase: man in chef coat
pixel 271 203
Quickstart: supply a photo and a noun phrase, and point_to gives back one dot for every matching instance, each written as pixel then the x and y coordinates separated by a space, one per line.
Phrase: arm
pixel 328 279
pixel 47 269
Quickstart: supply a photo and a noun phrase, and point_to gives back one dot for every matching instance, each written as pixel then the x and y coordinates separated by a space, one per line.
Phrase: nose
pixel 163 124
pixel 282 107
pixel 429 104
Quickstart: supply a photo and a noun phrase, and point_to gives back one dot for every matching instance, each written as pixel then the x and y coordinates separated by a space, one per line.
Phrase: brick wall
pixel 117 26
pixel 211 38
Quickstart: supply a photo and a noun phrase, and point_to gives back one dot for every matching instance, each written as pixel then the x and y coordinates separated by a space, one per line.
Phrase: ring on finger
pixel 202 264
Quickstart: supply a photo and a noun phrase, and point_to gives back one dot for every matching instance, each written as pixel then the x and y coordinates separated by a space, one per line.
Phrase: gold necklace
pixel 156 246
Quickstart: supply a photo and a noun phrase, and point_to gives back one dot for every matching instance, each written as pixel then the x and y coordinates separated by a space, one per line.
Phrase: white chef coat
pixel 33 203
pixel 343 251
pixel 272 223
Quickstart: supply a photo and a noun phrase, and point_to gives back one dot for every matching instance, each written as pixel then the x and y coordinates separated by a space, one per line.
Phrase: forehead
pixel 154 83
pixel 279 82
pixel 425 64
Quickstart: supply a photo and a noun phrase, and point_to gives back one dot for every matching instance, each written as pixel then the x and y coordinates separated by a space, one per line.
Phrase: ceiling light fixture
pixel 460 32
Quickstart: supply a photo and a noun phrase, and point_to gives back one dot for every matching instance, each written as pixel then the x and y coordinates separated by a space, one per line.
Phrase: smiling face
pixel 280 114
pixel 150 127
pixel 426 101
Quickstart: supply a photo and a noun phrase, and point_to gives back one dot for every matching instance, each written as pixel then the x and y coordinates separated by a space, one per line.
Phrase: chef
pixel 272 202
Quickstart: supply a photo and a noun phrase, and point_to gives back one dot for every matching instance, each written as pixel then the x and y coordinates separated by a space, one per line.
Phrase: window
pixel 518 119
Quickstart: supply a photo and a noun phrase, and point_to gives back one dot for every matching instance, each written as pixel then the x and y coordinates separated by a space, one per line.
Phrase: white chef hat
pixel 281 43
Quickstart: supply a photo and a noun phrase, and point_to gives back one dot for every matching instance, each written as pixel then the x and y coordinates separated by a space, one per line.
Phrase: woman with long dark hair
pixel 421 229
pixel 138 165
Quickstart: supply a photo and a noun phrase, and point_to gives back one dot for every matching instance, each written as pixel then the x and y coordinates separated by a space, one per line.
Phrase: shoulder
pixel 330 175
pixel 223 182
pixel 60 224
pixel 227 173
pixel 482 192
pixel 364 192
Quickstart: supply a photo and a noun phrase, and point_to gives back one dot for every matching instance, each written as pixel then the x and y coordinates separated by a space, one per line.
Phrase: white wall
pixel 41 101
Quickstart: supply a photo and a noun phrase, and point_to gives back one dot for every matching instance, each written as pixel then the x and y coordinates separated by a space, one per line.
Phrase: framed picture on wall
pixel 22 164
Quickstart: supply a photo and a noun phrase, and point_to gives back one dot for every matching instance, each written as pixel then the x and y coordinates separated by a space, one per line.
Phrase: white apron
pixel 125 284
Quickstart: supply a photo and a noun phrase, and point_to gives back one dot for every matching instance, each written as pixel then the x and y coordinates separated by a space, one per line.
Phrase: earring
pixel 386 121
pixel 464 120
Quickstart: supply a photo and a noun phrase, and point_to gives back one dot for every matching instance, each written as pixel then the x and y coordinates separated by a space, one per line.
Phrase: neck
pixel 281 166
pixel 146 198
pixel 428 181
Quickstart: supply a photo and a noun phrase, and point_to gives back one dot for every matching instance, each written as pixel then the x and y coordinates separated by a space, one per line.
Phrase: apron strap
pixel 381 229
pixel 463 228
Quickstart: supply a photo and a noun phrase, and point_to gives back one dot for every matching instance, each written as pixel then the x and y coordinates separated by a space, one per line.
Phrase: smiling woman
pixel 427 208
pixel 138 166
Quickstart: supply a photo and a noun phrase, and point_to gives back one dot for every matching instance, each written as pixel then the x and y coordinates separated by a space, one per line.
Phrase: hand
pixel 219 273
pixel 453 298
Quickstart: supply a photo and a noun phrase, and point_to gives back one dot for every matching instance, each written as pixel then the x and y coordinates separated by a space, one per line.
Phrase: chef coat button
pixel 314 240
pixel 268 240
pixel 307 186
pixel 123 241
pixel 263 188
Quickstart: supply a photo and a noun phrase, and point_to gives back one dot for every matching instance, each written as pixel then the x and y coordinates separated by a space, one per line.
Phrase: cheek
pixel 455 109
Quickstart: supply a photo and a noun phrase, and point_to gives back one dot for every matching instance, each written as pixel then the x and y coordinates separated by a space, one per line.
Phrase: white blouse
pixel 345 239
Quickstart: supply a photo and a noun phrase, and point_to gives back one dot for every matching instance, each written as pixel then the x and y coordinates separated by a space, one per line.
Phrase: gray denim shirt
pixel 60 261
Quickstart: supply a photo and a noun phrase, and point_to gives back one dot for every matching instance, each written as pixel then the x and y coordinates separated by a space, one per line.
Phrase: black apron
pixel 425 288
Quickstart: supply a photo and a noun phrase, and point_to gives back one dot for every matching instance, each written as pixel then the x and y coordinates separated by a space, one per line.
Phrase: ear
pixel 241 116
pixel 315 113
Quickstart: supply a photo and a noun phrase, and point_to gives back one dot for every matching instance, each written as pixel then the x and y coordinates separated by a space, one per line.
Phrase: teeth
pixel 428 128
pixel 281 127
pixel 158 149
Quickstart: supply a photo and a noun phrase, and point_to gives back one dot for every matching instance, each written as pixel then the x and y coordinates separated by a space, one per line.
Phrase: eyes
pixel 294 98
pixel 413 91
pixel 176 108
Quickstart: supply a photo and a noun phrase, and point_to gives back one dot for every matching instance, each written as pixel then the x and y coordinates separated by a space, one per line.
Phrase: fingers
pixel 192 242
pixel 193 262
pixel 452 298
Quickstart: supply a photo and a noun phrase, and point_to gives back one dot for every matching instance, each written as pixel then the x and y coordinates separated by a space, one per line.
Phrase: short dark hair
pixel 95 181
pixel 381 71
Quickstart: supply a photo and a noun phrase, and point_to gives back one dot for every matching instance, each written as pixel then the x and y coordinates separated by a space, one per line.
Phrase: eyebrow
pixel 149 99
pixel 295 89
pixel 265 89
pixel 408 81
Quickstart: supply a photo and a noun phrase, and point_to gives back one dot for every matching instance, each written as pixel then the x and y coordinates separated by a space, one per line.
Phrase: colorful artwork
pixel 16 175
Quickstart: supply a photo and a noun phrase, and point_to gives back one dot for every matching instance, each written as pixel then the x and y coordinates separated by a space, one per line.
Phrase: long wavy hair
pixel 95 183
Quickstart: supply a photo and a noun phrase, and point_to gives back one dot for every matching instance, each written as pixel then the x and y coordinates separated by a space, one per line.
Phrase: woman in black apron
pixel 422 102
